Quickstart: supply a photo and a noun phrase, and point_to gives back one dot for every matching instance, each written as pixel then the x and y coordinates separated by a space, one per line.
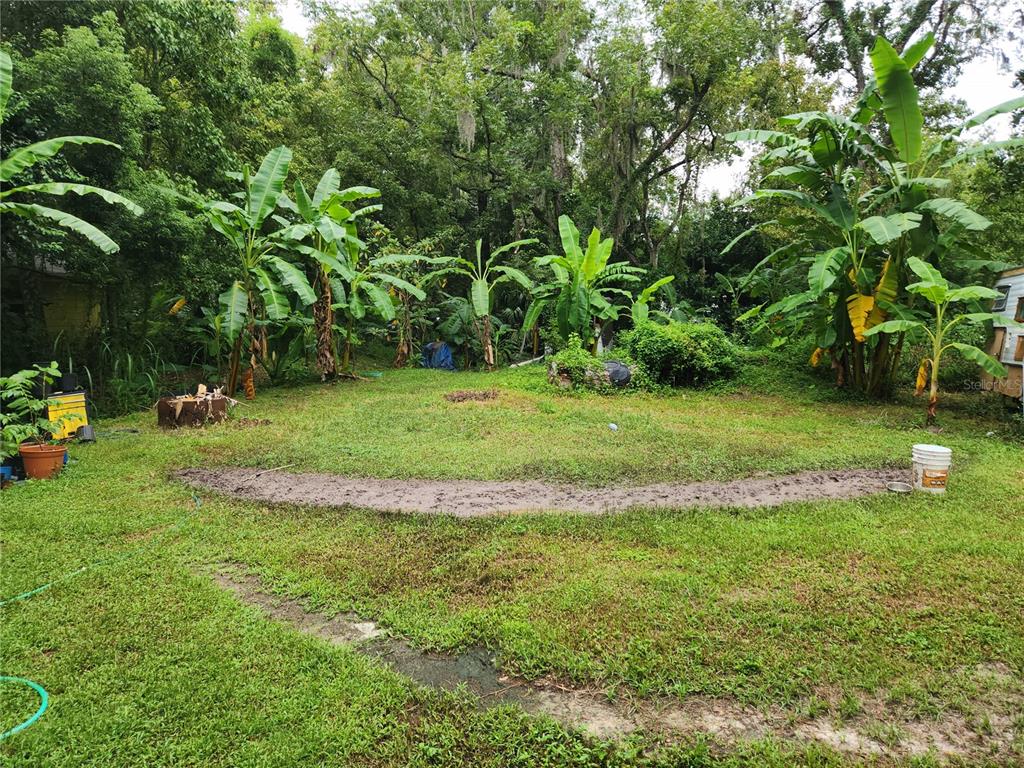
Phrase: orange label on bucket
pixel 934 478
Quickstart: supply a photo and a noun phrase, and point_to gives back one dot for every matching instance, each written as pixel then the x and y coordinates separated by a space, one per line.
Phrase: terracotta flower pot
pixel 42 461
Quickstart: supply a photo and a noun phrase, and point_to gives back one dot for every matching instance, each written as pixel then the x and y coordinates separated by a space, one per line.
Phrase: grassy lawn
pixel 809 606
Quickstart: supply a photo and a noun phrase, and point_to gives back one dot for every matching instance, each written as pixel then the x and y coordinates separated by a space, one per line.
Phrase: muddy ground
pixel 878 730
pixel 468 498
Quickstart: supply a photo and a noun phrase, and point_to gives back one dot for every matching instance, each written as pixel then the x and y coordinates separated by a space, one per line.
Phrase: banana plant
pixel 859 209
pixel 936 290
pixel 330 227
pixel 260 294
pixel 586 289
pixel 23 158
pixel 484 276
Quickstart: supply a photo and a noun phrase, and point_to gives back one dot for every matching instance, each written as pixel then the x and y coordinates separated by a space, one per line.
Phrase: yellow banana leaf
pixel 816 357
pixel 884 291
pixel 858 307
pixel 177 306
pixel 922 376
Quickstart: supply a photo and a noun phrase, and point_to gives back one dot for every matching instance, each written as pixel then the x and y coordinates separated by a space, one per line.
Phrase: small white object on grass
pixel 613 427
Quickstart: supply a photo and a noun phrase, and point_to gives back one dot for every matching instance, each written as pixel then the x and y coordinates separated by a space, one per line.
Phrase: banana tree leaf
pixel 268 184
pixel 989 364
pixel 653 288
pixel 745 233
pixel 511 246
pixel 235 303
pixel 1000 109
pixel 986 317
pixel 64 187
pixel 800 198
pixel 885 229
pixel 894 326
pixel 6 81
pixel 381 301
pixel 365 210
pixel 480 292
pixel 356 193
pixel 762 136
pixel 293 278
pixel 326 188
pixel 514 274
pixel 914 52
pixel 970 292
pixel 570 237
pixel 23 157
pixel 32 211
pixel 402 285
pixel 305 206
pixel 274 299
pixel 956 210
pixel 533 313
pixel 934 292
pixel 824 269
pixel 981 149
pixel 926 271
pixel 899 99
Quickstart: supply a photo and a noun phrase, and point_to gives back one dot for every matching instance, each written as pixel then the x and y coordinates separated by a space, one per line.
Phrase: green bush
pixel 682 354
pixel 577 363
pixel 586 371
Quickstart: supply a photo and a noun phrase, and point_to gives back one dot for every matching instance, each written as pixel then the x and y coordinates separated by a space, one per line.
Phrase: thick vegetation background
pixel 475 120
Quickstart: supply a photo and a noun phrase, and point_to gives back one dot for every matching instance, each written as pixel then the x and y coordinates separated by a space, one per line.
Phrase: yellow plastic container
pixel 71 405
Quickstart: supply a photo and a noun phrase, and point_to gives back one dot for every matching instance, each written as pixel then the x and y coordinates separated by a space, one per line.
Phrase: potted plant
pixel 24 428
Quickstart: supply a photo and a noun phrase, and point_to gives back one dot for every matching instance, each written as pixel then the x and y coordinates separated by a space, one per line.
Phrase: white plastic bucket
pixel 931 467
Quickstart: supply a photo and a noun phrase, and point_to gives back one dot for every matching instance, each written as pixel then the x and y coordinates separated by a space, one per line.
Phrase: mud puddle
pixel 467 498
pixel 991 733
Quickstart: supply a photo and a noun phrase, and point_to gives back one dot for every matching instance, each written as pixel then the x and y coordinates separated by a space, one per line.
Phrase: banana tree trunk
pixel 485 340
pixel 404 350
pixel 323 322
pixel 346 358
pixel 234 366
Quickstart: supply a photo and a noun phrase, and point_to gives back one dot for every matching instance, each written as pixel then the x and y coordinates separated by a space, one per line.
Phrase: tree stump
pixel 188 411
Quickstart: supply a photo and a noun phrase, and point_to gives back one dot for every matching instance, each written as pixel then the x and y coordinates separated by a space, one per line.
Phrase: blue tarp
pixel 437 354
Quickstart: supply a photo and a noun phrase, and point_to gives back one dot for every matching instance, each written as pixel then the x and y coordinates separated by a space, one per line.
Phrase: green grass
pixel 148 663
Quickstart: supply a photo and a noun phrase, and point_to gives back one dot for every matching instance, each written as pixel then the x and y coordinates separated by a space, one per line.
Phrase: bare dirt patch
pixel 462 395
pixel 467 498
pixel 949 736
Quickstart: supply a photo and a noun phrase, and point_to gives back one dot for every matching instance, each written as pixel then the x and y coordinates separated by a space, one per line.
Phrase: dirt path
pixel 948 736
pixel 467 498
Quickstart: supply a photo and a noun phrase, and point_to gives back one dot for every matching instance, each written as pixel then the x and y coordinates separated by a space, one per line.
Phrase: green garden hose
pixel 44 698
pixel 44 702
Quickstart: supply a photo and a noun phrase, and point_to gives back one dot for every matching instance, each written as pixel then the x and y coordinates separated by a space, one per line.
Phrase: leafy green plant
pixel 126 381
pixel 578 364
pixel 681 354
pixel 330 227
pixel 586 290
pixel 935 289
pixel 859 209
pixel 260 294
pixel 23 414
pixel 484 276
pixel 23 158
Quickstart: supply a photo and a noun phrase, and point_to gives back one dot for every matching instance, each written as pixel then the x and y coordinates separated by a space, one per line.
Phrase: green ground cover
pixel 810 605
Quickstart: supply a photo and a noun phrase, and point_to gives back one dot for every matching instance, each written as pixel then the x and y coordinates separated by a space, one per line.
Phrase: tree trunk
pixel 346 359
pixel 323 322
pixel 234 364
pixel 485 340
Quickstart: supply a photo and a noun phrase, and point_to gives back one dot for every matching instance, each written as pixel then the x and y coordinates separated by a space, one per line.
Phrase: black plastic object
pixel 86 434
pixel 618 374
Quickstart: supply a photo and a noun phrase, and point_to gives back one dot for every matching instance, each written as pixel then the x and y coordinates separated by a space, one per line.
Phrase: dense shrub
pixel 586 371
pixel 682 354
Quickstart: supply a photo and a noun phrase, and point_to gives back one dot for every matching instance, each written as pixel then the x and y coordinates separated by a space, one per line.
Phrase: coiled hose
pixel 44 697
